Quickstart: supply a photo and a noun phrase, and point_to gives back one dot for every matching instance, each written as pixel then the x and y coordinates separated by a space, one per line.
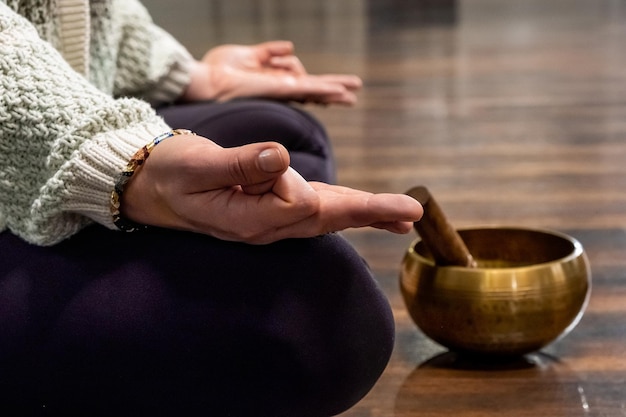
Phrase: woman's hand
pixel 250 194
pixel 268 70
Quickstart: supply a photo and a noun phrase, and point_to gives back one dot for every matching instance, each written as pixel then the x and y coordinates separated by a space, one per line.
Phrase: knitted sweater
pixel 68 124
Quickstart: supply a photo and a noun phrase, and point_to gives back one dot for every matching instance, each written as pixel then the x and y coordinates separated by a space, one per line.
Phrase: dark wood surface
pixel 511 113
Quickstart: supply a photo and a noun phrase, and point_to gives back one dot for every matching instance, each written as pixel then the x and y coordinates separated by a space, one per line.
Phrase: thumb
pixel 256 167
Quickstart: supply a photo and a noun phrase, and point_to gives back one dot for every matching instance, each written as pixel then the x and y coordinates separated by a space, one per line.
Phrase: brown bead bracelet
pixel 135 163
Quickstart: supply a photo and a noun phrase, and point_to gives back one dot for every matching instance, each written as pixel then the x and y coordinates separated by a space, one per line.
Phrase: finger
pixel 367 210
pixel 395 227
pixel 299 196
pixel 270 161
pixel 351 82
pixel 342 208
pixel 373 209
pixel 347 98
pixel 311 90
pixel 291 201
pixel 274 48
pixel 327 89
pixel 289 63
pixel 254 166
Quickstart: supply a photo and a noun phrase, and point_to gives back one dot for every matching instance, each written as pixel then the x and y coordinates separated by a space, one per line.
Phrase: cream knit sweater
pixel 68 124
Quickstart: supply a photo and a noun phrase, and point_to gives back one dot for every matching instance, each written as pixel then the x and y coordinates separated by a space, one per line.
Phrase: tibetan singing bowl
pixel 530 287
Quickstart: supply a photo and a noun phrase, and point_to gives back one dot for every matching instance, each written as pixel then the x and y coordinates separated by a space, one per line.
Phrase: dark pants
pixel 169 323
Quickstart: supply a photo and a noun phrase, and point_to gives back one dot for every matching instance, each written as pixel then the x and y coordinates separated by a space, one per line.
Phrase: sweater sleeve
pixel 151 64
pixel 62 141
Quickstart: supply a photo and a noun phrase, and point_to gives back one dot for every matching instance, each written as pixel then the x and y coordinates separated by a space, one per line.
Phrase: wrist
pixel 200 86
pixel 139 158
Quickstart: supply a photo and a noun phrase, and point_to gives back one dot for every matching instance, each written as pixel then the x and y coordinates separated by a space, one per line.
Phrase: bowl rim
pixel 577 250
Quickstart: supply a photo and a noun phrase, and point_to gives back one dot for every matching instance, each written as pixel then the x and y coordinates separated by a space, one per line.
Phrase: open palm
pixel 250 194
pixel 269 70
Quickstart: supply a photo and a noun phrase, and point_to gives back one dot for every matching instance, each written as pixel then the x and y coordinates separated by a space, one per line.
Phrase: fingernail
pixel 270 160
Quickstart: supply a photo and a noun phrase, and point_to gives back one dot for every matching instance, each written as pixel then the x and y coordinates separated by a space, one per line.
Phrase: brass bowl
pixel 530 288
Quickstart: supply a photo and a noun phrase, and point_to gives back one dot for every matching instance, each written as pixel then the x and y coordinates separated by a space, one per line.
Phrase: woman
pixel 232 298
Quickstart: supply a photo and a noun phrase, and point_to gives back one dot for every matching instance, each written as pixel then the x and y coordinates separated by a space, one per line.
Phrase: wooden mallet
pixel 439 236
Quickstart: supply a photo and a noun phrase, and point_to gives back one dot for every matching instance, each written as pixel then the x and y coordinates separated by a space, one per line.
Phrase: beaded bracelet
pixel 134 164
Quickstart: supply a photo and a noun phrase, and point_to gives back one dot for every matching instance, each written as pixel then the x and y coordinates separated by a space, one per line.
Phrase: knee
pixel 309 336
pixel 355 357
pixel 307 331
pixel 344 341
pixel 300 326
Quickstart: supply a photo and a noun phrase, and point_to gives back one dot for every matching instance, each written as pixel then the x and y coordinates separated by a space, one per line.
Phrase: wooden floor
pixel 511 113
